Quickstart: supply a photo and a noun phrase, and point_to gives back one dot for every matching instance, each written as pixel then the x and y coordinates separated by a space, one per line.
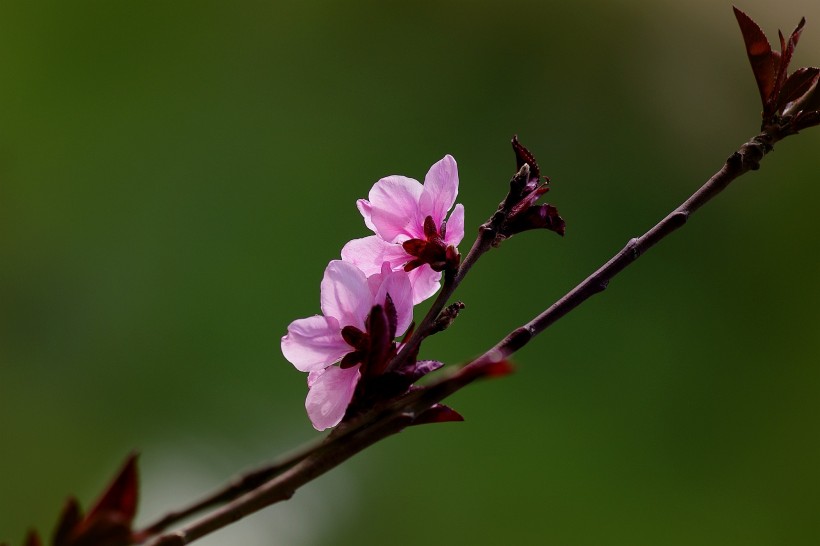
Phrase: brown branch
pixel 252 479
pixel 747 158
pixel 344 442
pixel 248 481
pixel 383 421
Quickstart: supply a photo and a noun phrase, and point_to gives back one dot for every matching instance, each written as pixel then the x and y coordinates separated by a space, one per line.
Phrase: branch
pixel 344 442
pixel 248 481
pixel 387 419
pixel 747 158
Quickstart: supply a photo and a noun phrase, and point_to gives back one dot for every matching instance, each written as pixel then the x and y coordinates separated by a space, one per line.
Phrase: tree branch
pixel 747 158
pixel 392 417
pixel 248 481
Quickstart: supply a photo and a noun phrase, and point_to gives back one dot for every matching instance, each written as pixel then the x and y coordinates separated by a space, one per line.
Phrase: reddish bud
pixel 108 523
pixel 519 208
pixel 523 156
pixel 538 217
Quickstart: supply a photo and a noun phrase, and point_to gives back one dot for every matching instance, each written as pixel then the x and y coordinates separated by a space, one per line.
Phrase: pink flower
pixel 360 318
pixel 412 232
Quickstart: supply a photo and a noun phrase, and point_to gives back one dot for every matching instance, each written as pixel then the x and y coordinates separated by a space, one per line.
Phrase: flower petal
pixel 365 208
pixel 440 190
pixel 455 226
pixel 369 253
pixel 330 393
pixel 314 343
pixel 394 208
pixel 425 283
pixel 345 295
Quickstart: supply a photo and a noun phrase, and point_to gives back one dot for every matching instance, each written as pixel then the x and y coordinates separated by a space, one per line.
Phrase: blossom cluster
pixel 367 297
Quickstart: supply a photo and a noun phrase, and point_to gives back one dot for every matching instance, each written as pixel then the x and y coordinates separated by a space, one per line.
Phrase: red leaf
pixel 811 102
pixel 70 518
pixel 121 495
pixel 786 51
pixel 105 530
pixel 764 62
pixel 798 88
pixel 807 119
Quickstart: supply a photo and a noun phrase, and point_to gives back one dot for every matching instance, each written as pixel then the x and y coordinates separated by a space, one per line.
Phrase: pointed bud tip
pixel 438 414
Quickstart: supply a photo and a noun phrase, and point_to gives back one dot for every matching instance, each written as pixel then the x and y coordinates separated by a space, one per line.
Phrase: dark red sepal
pixel 417 370
pixel 355 337
pixel 352 358
pixel 414 247
pixel 381 340
pixel 430 229
pixel 438 413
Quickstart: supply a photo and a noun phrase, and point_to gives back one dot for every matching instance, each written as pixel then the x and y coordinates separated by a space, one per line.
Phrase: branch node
pixel 735 161
pixel 494 355
pixel 754 151
pixel 446 317
pixel 518 338
pixel 633 248
pixel 679 217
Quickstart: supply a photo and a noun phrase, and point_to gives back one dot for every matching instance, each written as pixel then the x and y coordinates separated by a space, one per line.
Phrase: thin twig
pixel 245 482
pixel 745 159
pixel 344 442
pixel 378 423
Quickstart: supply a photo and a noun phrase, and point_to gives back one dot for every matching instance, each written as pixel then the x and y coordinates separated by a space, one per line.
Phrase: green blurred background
pixel 175 176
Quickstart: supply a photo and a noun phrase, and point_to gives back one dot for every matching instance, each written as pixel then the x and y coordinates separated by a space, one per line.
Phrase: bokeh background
pixel 175 176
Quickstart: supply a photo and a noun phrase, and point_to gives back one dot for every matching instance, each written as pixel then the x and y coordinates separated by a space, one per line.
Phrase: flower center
pixel 374 347
pixel 432 250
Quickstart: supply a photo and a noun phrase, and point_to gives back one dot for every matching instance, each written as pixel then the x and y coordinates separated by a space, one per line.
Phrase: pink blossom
pixel 342 334
pixel 411 228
